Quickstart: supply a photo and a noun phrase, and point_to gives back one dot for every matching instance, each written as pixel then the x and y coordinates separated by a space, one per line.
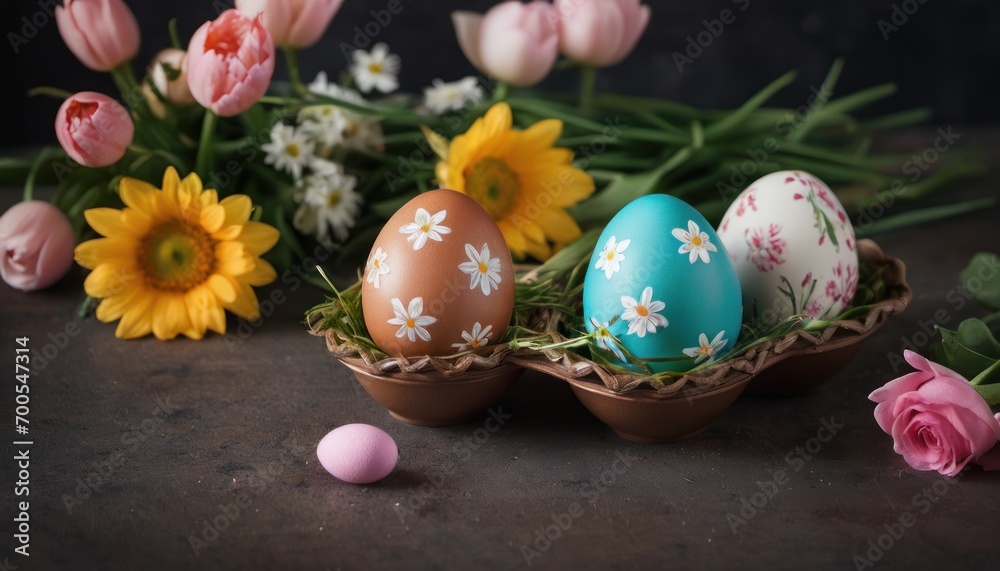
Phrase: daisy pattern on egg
pixel 642 315
pixel 483 270
pixel 478 337
pixel 695 242
pixel 425 227
pixel 611 256
pixel 411 323
pixel 376 267
pixel 604 338
pixel 706 351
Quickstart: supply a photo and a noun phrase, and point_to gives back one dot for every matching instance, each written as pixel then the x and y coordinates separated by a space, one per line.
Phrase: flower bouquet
pixel 209 177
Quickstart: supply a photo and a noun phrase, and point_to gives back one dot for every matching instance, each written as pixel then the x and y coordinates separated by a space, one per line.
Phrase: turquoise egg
pixel 664 282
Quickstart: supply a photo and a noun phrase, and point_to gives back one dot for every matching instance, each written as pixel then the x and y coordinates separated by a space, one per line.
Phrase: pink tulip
pixel 94 129
pixel 102 34
pixel 600 32
pixel 936 419
pixel 36 242
pixel 175 90
pixel 293 23
pixel 513 42
pixel 229 63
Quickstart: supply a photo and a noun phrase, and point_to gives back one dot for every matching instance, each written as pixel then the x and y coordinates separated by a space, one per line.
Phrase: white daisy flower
pixel 611 257
pixel 376 69
pixel 328 206
pixel 325 123
pixel 604 338
pixel 323 86
pixel 479 337
pixel 376 267
pixel 411 323
pixel 483 269
pixel 694 241
pixel 324 167
pixel 360 131
pixel 425 226
pixel 289 149
pixel 706 350
pixel 442 97
pixel 363 132
pixel 642 315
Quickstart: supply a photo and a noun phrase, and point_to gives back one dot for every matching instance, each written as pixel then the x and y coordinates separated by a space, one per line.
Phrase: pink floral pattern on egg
pixel 764 247
pixel 793 246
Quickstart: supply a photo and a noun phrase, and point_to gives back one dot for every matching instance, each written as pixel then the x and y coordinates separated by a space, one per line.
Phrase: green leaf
pixel 980 278
pixel 990 393
pixel 970 350
pixel 625 189
pixel 925 215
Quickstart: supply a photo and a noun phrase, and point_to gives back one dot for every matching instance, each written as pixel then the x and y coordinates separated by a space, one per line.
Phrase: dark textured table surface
pixel 152 455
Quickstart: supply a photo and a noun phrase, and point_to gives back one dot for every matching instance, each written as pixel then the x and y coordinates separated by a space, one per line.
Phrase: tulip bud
pixel 600 32
pixel 102 34
pixel 167 73
pixel 513 42
pixel 36 245
pixel 293 23
pixel 229 63
pixel 94 129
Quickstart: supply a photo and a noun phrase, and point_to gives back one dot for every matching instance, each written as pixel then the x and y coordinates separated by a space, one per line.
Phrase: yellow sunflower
pixel 172 260
pixel 519 178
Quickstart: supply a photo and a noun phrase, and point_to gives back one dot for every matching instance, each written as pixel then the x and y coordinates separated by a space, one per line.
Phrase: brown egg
pixel 439 279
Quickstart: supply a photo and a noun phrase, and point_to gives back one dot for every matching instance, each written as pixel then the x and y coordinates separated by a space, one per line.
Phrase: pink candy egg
pixel 358 453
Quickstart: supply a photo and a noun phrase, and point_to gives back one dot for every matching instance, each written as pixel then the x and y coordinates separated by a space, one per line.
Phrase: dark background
pixel 944 56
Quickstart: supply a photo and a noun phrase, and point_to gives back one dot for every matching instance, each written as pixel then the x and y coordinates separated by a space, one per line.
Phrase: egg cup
pixel 642 408
pixel 425 391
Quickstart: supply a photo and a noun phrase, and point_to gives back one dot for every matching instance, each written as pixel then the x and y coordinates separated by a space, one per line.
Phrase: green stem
pixel 175 38
pixel 985 374
pixel 29 183
pixel 204 161
pixel 131 93
pixel 51 92
pixel 500 92
pixel 588 81
pixel 292 58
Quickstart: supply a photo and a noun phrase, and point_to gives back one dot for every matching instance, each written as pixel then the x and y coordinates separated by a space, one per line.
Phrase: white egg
pixel 793 247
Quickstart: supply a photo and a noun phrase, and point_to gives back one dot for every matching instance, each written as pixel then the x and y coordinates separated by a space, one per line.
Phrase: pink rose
pixel 293 23
pixel 94 129
pixel 36 242
pixel 102 34
pixel 229 63
pixel 937 420
pixel 513 42
pixel 600 32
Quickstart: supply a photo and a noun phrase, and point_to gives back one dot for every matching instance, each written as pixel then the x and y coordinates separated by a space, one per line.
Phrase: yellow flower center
pixel 333 199
pixel 696 241
pixel 704 351
pixel 425 228
pixel 377 264
pixel 375 67
pixel 642 311
pixel 177 257
pixel 411 323
pixel 611 256
pixel 351 129
pixel 483 268
pixel 494 186
pixel 293 150
pixel 474 344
